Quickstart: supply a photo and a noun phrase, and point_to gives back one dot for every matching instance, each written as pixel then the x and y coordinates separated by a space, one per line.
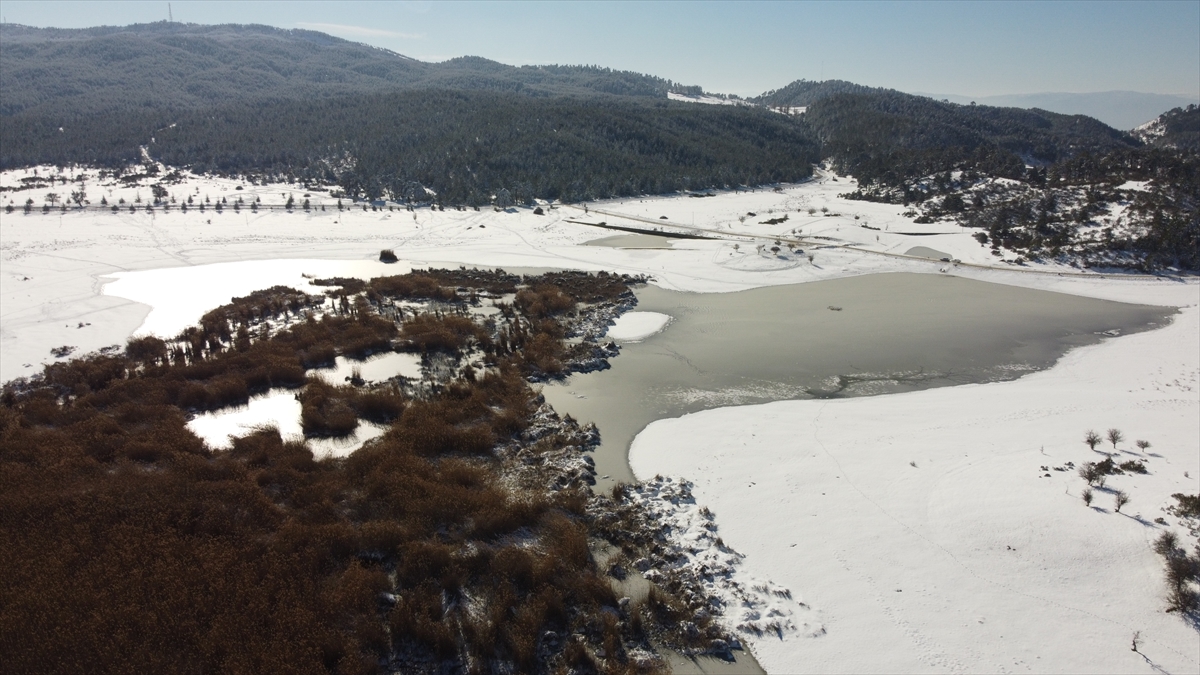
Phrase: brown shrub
pixel 542 300
pixel 380 407
pixel 325 410
pixel 413 286
pixel 429 332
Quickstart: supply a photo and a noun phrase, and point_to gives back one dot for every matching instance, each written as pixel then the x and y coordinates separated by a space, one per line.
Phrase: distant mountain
pixel 1118 109
pixel 175 66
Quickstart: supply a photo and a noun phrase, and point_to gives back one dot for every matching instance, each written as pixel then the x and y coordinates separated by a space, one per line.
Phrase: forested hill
pixel 890 136
pixel 305 106
pixel 175 66
pixel 1176 129
pixel 1074 189
pixel 464 146
pixel 807 92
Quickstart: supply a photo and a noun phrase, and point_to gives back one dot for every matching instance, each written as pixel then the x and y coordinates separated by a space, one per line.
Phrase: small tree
pixel 1089 472
pixel 1087 496
pixel 1092 439
pixel 1115 436
pixel 1143 445
pixel 1120 499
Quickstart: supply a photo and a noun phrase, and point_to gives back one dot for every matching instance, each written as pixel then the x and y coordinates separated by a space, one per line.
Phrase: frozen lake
pixel 858 336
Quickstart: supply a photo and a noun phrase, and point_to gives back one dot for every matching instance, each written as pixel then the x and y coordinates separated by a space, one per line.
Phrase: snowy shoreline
pixel 909 559
pixel 970 558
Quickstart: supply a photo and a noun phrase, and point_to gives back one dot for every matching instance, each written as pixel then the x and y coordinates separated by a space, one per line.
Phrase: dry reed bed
pixel 458 541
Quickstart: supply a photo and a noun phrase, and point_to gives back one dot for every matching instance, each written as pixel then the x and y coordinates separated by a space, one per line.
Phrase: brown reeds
pixel 130 546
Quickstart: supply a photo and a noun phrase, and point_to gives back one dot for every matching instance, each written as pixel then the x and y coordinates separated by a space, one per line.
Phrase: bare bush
pixel 1120 498
pixel 1115 436
pixel 1182 574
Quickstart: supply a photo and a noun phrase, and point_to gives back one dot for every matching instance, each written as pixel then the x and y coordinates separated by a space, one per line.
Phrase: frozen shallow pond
pixel 278 408
pixel 858 336
pixel 179 296
pixel 633 241
pixel 635 326
pixel 926 252
pixel 378 368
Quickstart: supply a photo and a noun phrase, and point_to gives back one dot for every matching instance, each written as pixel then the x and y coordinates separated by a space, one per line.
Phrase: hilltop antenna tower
pixel 170 16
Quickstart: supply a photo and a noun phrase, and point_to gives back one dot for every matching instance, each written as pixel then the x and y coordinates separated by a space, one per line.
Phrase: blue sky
pixel 968 48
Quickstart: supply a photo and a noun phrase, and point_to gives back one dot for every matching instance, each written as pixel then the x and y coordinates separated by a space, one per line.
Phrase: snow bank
pixel 635 326
pixel 935 530
pixel 691 549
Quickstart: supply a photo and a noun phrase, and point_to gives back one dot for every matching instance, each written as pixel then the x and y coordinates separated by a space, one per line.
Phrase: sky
pixel 746 48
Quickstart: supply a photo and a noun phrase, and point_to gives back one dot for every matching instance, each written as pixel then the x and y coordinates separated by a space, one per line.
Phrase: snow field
pixel 970 561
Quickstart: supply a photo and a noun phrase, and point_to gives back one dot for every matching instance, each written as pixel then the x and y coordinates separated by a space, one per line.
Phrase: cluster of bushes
pixel 1182 568
pixel 327 410
pixel 1183 573
pixel 449 333
pixel 414 286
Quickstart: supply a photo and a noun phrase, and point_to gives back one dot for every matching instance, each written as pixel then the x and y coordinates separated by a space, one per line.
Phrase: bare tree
pixel 1120 499
pixel 1089 473
pixel 1092 439
pixel 1087 496
pixel 1143 445
pixel 1115 436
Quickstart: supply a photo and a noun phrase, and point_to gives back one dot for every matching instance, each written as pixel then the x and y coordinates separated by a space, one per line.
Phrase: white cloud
pixel 358 31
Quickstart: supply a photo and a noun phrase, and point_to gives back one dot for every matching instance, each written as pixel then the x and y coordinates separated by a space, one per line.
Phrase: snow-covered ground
pixel 634 326
pixel 971 560
pixel 709 99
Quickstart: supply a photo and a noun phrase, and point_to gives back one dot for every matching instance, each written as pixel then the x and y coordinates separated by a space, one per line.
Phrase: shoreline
pixel 897 550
